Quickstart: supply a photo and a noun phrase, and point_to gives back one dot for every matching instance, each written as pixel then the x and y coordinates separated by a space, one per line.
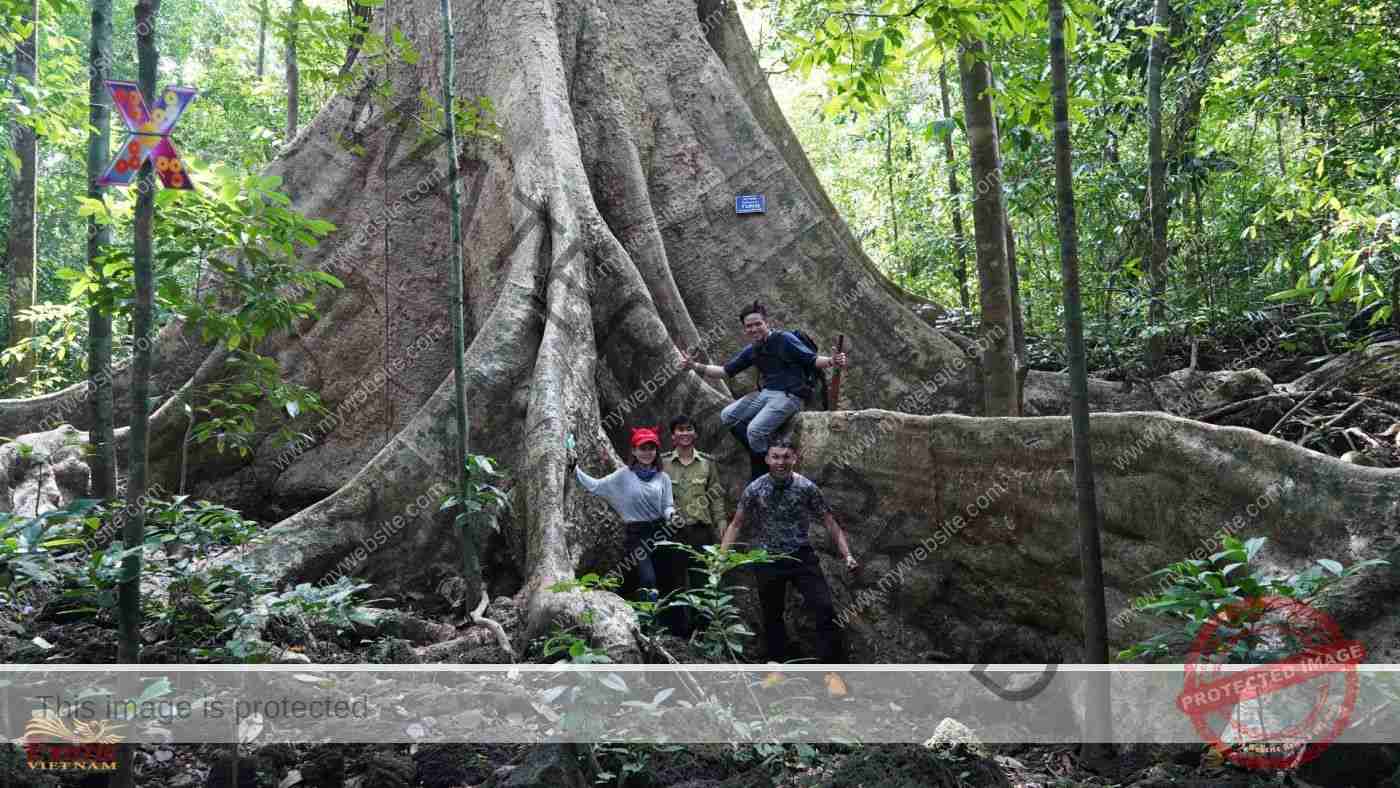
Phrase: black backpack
pixel 814 387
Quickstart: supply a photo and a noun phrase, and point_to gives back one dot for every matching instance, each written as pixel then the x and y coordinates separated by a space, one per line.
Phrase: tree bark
pixel 954 194
pixel 1157 189
pixel 22 246
pixel 1090 559
pixel 103 463
pixel 1001 394
pixel 293 71
pixel 262 37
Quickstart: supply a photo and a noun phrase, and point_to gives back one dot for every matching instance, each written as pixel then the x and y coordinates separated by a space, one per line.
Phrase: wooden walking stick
pixel 836 377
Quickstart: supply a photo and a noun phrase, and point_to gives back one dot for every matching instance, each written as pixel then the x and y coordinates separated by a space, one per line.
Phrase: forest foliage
pixel 1283 153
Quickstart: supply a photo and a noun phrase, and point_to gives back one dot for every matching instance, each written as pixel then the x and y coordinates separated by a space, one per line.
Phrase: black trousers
pixel 660 568
pixel 697 535
pixel 806 573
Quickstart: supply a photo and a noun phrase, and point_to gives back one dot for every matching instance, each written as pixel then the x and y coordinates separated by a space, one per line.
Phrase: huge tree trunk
pixel 599 231
pixel 1003 396
pixel 22 248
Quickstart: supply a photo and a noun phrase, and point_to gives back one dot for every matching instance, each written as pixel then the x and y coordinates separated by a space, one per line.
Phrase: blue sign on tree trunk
pixel 750 203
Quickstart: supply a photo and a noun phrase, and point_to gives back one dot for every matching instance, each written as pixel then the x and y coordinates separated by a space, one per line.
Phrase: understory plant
pixel 1229 591
pixel 725 633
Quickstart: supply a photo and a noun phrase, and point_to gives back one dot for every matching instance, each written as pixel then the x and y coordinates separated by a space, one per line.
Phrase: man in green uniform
pixel 699 497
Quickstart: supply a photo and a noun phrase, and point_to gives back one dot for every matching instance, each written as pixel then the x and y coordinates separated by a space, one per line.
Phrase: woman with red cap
pixel 641 494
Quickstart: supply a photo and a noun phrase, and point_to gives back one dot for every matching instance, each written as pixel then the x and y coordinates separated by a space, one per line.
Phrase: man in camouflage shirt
pixel 699 497
pixel 776 511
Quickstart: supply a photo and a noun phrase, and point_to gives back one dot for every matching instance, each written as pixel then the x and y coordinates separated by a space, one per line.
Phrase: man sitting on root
pixel 783 361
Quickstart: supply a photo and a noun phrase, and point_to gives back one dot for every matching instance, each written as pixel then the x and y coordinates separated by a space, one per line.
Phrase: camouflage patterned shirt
pixel 777 516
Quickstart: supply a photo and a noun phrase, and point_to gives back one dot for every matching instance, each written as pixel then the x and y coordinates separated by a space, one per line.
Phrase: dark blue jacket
pixel 782 360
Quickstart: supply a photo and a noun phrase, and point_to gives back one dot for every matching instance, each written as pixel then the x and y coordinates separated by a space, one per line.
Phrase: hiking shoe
pixel 835 686
pixel 773 679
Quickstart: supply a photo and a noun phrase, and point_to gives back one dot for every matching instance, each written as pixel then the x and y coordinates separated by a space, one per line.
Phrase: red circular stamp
pixel 1291 704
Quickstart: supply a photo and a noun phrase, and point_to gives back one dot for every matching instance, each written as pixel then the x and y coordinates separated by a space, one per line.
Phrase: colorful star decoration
pixel 148 135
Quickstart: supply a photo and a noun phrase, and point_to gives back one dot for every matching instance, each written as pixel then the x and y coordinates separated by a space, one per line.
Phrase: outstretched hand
pixel 684 361
pixel 852 565
pixel 838 358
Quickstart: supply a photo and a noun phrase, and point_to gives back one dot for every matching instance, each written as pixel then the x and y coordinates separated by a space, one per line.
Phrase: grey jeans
pixel 765 411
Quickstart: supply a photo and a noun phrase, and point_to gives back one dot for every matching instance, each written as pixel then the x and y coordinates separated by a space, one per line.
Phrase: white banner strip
pixel 1321 702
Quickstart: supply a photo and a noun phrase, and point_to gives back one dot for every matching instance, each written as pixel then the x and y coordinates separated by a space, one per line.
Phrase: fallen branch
pixel 1295 409
pixel 376 622
pixel 1350 369
pixel 478 618
pixel 1303 441
pixel 688 680
pixel 1235 407
pixel 449 650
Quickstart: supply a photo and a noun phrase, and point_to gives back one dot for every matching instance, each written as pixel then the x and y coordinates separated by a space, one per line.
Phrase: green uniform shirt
pixel 699 498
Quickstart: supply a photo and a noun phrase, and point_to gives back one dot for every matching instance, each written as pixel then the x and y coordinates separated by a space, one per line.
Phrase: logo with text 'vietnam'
pixel 49 744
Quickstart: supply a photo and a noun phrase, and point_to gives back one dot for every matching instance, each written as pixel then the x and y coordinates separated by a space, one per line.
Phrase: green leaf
pixel 614 682
pixel 155 690
pixel 87 206
pixel 1330 565
pixel 322 276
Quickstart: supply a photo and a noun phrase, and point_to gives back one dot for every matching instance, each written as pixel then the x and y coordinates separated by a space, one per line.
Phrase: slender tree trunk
pixel 138 437
pixel 954 194
pixel 262 37
pixel 104 457
pixel 1395 295
pixel 471 568
pixel 1090 561
pixel 889 176
pixel 147 56
pixel 1157 188
pixel 293 72
pixel 1278 136
pixel 22 247
pixel 361 16
pixel 1018 322
pixel 1000 397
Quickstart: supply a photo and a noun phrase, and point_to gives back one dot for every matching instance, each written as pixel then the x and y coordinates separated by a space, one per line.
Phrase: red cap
pixel 644 435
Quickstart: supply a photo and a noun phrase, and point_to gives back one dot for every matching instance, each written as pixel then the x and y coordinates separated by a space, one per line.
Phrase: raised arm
pixel 738 364
pixel 602 486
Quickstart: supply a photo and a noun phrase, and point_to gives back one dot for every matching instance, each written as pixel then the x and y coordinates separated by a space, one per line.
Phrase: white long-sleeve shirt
pixel 636 501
